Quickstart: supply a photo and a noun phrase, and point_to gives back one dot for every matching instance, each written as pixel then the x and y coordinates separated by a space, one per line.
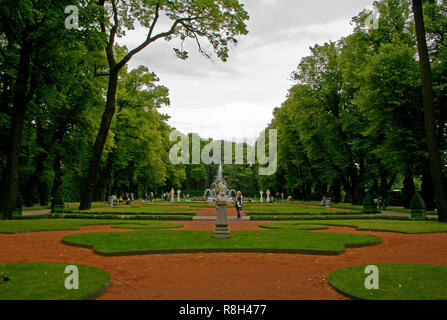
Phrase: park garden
pixel 356 207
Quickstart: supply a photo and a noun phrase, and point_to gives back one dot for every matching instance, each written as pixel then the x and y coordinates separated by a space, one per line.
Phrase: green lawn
pixel 46 281
pixel 402 209
pixel 141 209
pixel 403 226
pixel 35 208
pixel 158 241
pixel 298 210
pixel 396 282
pixel 20 226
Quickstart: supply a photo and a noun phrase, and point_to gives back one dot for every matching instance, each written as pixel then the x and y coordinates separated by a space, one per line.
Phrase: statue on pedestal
pixel 222 231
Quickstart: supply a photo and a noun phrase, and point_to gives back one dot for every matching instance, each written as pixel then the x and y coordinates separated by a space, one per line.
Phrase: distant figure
pixel 152 197
pixel 131 196
pixel 323 202
pixel 239 204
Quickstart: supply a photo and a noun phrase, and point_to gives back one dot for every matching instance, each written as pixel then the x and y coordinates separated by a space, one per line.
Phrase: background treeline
pixel 354 120
pixel 73 117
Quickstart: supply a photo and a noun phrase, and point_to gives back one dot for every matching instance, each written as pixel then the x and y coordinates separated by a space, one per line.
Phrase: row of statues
pixel 173 195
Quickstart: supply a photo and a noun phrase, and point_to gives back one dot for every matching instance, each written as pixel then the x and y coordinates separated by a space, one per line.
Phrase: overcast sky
pixel 235 100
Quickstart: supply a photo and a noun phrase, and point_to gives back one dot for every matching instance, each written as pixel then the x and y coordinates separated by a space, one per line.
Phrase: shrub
pixel 19 202
pixel 57 201
pixel 369 206
pixel 347 198
pixel 17 212
pixel 417 206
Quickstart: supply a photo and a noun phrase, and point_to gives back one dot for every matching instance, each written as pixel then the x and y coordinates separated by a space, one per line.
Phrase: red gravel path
pixel 223 276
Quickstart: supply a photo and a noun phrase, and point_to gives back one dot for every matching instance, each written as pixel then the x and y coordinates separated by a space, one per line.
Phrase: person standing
pixel 239 204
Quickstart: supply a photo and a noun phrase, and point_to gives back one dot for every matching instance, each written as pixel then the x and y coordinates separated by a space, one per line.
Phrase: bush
pixel 347 198
pixel 119 217
pixel 19 202
pixel 369 206
pixel 417 206
pixel 57 202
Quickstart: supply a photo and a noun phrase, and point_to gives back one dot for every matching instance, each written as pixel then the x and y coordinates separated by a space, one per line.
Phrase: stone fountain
pixel 211 193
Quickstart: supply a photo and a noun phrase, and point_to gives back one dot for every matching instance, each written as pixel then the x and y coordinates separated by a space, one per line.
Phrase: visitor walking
pixel 239 204
pixel 152 197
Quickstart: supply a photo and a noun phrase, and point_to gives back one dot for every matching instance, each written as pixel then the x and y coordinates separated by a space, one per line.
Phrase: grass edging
pixel 350 217
pixel 125 217
pixel 100 292
pixel 239 250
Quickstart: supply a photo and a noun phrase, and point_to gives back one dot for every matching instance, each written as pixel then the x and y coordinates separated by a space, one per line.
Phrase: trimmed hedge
pixel 270 213
pixel 369 206
pixel 417 206
pixel 119 217
pixel 33 217
pixel 314 217
pixel 133 213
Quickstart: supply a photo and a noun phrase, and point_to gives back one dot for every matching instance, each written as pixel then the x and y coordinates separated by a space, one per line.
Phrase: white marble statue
pixel 262 193
pixel 178 195
pixel 268 195
pixel 172 195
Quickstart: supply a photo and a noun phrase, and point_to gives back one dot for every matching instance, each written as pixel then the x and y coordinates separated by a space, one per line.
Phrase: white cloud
pixel 236 99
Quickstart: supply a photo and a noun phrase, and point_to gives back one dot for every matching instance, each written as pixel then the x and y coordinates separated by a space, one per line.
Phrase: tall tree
pixel 218 21
pixel 438 177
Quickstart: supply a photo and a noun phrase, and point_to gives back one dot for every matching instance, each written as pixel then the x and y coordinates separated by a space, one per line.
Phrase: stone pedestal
pixel 222 231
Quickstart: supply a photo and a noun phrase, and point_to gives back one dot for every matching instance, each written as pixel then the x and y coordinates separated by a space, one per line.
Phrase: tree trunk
pixel 427 191
pixel 20 101
pixel 408 190
pixel 57 167
pixel 98 148
pixel 336 191
pixel 439 181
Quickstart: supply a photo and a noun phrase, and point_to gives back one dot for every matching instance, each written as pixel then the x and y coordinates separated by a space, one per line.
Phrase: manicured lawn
pixel 396 282
pixel 19 226
pixel 298 210
pixel 46 281
pixel 402 209
pixel 75 205
pixel 35 208
pixel 157 241
pixel 403 226
pixel 141 209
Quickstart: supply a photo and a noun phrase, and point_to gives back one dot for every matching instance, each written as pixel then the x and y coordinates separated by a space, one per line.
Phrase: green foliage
pixel 58 199
pixel 19 203
pixel 369 206
pixel 417 206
